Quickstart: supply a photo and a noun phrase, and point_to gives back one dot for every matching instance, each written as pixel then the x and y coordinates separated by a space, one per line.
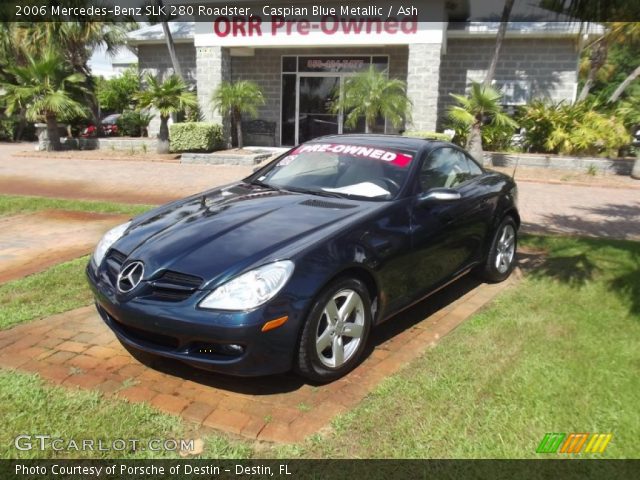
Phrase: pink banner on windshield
pixel 395 158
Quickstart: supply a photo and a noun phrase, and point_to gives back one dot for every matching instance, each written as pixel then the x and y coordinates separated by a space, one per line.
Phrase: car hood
pixel 222 232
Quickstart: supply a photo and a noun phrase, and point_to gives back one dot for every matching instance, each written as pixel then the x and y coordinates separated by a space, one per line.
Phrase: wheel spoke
pixel 323 341
pixel 331 312
pixel 349 305
pixel 503 236
pixel 353 330
pixel 338 351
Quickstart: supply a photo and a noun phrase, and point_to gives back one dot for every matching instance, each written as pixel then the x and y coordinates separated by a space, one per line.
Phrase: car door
pixel 447 235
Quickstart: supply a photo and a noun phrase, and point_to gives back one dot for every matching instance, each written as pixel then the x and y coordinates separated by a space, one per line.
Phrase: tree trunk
pixel 52 133
pixel 623 86
pixel 502 31
pixel 238 119
pixel 163 135
pixel 474 142
pixel 170 45
pixel 369 125
pixel 22 124
pixel 598 59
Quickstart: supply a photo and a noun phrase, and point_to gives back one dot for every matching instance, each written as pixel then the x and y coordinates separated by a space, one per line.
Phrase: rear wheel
pixel 336 331
pixel 501 258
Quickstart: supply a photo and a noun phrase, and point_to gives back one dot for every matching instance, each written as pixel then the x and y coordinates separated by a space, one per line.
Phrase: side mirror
pixel 439 195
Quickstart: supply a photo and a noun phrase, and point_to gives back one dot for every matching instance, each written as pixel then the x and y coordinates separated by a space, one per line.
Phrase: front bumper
pixel 202 338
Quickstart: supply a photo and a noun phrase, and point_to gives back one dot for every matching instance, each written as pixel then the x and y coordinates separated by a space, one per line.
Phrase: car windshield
pixel 341 169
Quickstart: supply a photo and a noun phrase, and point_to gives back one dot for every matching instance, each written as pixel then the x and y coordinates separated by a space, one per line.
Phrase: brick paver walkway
pixel 32 242
pixel 76 349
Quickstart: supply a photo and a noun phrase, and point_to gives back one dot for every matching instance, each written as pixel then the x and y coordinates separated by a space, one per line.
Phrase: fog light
pixel 227 349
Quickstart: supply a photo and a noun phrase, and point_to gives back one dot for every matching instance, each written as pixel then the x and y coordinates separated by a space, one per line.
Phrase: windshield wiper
pixel 320 193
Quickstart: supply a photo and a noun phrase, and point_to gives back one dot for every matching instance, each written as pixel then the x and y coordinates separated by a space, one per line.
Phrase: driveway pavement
pixel 545 207
pixel 109 180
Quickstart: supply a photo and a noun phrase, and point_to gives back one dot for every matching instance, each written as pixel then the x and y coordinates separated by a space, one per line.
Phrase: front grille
pixel 114 261
pixel 174 286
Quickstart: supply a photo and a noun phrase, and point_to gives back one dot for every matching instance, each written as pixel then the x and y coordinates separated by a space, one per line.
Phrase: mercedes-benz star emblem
pixel 130 276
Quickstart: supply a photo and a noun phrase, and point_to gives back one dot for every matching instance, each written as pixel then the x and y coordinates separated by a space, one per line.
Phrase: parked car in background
pixel 108 125
pixel 293 266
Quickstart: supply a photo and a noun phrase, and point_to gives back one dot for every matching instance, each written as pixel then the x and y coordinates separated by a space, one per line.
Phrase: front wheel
pixel 336 331
pixel 501 258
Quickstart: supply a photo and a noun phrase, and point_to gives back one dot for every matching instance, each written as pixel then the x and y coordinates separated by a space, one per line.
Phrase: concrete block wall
pixel 214 67
pixel 549 64
pixel 264 68
pixel 423 77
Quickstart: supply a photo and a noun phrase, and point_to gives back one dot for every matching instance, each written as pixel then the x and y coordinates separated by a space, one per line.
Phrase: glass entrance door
pixel 314 117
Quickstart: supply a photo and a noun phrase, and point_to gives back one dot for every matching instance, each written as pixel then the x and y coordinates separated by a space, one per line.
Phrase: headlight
pixel 250 289
pixel 109 239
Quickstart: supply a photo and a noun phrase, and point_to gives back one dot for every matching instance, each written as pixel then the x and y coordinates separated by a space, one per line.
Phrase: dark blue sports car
pixel 293 266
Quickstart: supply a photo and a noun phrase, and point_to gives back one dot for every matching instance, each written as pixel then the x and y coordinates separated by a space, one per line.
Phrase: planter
pixel 635 171
pixel 227 157
pixel 620 166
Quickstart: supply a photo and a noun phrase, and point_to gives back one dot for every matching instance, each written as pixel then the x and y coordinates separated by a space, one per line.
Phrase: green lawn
pixel 14 204
pixel 29 406
pixel 58 289
pixel 558 353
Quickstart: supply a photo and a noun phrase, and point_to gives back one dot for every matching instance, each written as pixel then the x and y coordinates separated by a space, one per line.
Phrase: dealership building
pixel 302 57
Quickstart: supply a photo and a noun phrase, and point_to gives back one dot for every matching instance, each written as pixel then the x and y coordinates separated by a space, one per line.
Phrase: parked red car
pixel 108 125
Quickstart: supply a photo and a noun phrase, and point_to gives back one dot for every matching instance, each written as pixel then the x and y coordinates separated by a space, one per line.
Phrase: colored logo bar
pixel 573 443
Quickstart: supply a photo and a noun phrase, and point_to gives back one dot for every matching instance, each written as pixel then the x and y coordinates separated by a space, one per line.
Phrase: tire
pixel 324 354
pixel 500 260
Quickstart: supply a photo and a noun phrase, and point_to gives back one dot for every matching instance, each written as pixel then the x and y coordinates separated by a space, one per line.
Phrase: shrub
pixel 576 129
pixel 426 134
pixel 195 137
pixel 118 94
pixel 9 127
pixel 133 123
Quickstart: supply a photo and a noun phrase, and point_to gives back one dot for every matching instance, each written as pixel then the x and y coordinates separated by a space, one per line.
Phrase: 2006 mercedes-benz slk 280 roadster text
pixel 292 267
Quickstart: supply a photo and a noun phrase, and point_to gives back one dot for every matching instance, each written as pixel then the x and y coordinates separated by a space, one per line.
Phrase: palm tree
pixel 44 88
pixel 372 94
pixel 168 97
pixel 237 99
pixel 483 103
pixel 76 41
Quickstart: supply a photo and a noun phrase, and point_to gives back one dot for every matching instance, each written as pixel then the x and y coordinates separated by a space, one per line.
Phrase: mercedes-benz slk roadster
pixel 293 266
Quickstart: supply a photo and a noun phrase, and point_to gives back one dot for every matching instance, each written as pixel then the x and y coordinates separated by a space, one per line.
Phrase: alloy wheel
pixel 505 248
pixel 340 328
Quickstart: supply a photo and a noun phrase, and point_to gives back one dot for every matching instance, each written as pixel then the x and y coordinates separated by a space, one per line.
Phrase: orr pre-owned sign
pixel 328 25
pixel 319 25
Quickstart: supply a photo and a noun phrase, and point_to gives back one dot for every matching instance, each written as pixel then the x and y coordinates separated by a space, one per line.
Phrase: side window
pixel 474 169
pixel 445 168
